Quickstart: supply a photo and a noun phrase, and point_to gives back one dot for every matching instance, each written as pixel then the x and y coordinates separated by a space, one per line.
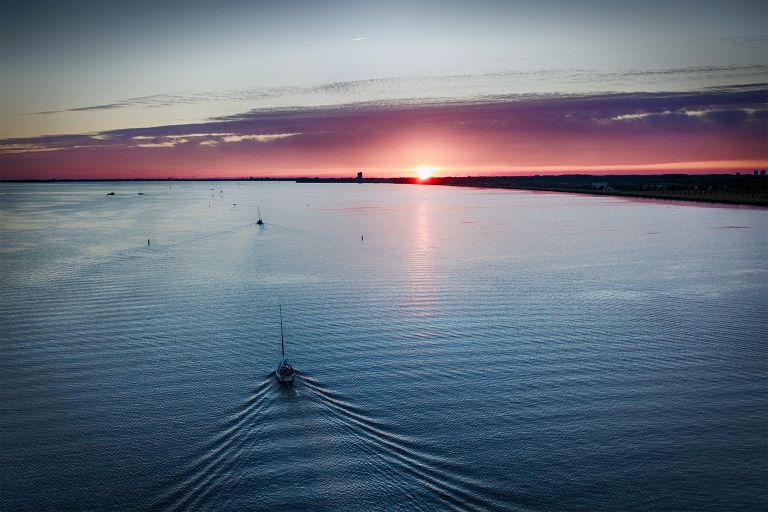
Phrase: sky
pixel 125 89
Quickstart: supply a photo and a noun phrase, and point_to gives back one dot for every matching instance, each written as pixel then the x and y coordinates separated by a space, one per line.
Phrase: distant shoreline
pixel 671 196
pixel 733 189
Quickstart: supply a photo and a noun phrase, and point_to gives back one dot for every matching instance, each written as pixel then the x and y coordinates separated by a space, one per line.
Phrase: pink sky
pixel 710 131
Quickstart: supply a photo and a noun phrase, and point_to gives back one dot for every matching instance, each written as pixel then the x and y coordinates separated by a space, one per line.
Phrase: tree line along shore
pixel 746 189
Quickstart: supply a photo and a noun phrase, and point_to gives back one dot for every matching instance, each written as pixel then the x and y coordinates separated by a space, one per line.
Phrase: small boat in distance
pixel 284 372
pixel 259 222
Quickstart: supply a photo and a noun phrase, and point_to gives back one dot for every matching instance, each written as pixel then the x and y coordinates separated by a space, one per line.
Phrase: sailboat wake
pixel 217 456
pixel 438 474
pixel 288 429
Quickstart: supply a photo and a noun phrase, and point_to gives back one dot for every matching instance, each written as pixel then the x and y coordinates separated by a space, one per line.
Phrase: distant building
pixel 762 173
pixel 600 185
pixel 359 178
pixel 756 172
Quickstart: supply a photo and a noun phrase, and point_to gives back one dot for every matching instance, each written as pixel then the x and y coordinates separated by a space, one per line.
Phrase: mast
pixel 259 208
pixel 282 339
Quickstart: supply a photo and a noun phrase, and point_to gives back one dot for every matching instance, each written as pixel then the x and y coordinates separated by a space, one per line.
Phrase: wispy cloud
pixel 25 148
pixel 268 137
pixel 456 87
pixel 166 144
pixel 630 117
pixel 205 139
pixel 208 139
pixel 271 124
pixel 126 139
pixel 704 114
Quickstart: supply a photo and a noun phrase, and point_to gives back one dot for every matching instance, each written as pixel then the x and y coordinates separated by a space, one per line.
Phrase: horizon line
pixel 750 172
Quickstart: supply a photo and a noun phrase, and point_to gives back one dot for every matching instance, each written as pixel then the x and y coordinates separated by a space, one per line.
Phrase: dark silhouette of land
pixel 745 189
pixel 716 188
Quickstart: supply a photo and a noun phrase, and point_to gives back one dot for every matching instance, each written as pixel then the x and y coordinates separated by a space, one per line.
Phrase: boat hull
pixel 286 379
pixel 285 372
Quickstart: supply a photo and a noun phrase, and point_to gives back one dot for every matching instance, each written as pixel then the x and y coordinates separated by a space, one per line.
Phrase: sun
pixel 424 172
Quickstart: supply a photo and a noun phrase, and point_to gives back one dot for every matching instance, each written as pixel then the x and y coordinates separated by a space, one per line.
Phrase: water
pixel 478 350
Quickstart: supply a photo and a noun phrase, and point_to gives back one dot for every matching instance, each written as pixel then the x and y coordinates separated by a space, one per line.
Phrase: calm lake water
pixel 478 350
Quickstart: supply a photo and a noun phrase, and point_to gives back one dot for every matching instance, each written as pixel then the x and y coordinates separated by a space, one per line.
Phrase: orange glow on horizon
pixel 425 172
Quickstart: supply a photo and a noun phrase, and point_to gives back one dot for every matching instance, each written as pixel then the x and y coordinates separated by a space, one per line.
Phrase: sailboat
pixel 259 222
pixel 284 372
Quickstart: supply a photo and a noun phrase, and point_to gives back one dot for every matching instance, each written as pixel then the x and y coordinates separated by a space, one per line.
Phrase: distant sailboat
pixel 284 372
pixel 259 222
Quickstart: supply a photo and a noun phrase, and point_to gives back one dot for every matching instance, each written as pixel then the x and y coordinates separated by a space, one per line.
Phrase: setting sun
pixel 424 172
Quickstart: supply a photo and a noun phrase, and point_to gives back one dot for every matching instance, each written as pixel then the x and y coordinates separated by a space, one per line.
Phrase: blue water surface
pixel 476 350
